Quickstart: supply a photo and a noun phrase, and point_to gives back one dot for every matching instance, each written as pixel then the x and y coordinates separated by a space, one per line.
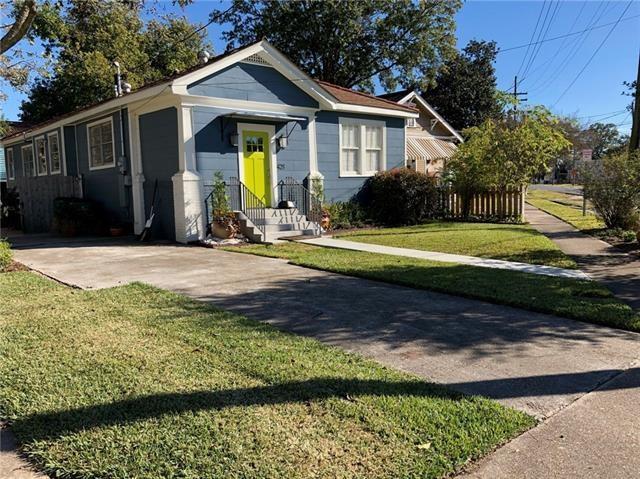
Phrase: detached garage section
pixel 273 133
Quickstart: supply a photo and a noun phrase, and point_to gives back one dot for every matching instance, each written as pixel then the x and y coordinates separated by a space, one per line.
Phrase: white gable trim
pixel 432 111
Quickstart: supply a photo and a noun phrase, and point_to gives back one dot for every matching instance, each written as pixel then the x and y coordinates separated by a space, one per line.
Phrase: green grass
pixel 138 382
pixel 582 300
pixel 499 241
pixel 566 207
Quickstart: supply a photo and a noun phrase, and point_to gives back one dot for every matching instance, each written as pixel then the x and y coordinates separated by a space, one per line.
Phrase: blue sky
pixel 597 91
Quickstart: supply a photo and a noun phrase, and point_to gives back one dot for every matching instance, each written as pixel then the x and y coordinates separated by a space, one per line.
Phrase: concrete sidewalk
pixel 619 271
pixel 446 257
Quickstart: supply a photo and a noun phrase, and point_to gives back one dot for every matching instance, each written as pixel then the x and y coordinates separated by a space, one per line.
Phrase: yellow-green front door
pixel 255 148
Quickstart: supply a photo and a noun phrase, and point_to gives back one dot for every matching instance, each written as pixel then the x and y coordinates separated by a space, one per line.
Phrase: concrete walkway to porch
pixel 446 257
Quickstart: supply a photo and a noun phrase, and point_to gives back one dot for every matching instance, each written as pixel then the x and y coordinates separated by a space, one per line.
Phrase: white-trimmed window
pixel 41 156
pixel 28 163
pixel 362 147
pixel 100 140
pixel 411 122
pixel 11 169
pixel 55 159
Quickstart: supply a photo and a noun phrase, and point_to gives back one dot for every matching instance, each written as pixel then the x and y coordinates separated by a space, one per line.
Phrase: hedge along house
pixel 250 114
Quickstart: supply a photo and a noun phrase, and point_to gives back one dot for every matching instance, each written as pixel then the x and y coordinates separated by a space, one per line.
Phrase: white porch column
pixel 188 191
pixel 137 175
pixel 314 177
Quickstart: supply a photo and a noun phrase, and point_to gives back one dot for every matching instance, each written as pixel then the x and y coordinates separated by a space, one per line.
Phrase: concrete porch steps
pixel 277 224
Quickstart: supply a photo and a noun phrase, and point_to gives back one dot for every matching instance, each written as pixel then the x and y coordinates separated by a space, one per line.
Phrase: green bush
pixel 400 197
pixel 345 215
pixel 613 186
pixel 6 255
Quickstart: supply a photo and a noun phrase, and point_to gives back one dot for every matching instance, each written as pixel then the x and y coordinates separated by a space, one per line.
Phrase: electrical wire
pixel 604 40
pixel 535 29
pixel 538 47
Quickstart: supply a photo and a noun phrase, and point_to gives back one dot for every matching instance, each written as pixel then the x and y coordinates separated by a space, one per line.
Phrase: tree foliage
pixel 87 36
pixel 613 186
pixel 465 92
pixel 507 152
pixel 604 138
pixel 351 43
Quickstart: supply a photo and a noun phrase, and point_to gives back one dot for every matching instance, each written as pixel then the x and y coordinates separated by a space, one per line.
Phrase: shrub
pixel 73 216
pixel 399 197
pixel 613 186
pixel 6 255
pixel 345 214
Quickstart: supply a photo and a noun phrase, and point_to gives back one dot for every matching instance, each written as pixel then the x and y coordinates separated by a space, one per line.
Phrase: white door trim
pixel 273 165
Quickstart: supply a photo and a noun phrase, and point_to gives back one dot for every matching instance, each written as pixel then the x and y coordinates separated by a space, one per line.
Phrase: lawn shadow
pixel 52 425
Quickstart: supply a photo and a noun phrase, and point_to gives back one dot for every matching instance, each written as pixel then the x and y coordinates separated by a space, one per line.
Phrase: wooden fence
pixel 505 205
pixel 37 195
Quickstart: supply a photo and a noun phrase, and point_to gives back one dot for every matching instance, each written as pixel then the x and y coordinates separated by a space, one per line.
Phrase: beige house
pixel 430 140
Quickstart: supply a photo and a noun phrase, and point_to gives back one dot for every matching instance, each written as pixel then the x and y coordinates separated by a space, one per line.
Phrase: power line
pixel 535 29
pixel 538 47
pixel 573 51
pixel 604 40
pixel 518 47
pixel 549 62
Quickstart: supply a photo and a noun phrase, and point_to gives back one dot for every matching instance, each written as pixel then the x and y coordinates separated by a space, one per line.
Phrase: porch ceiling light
pixel 233 139
pixel 283 141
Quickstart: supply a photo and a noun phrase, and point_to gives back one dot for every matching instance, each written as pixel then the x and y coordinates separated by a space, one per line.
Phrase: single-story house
pixel 250 113
pixel 430 140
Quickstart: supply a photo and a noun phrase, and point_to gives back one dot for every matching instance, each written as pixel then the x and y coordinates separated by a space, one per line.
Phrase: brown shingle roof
pixel 352 97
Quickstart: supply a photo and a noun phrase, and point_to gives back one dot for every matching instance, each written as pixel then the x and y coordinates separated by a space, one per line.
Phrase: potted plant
pixel 224 224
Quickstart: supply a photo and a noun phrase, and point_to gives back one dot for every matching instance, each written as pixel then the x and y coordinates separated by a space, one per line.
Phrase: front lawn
pixel 582 300
pixel 138 382
pixel 509 242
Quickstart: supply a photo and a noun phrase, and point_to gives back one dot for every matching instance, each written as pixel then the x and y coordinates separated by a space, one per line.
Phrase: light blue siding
pixel 214 151
pixel 245 81
pixel 3 168
pixel 327 131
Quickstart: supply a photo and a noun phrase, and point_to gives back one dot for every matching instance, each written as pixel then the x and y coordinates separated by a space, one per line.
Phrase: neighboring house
pixel 430 139
pixel 250 113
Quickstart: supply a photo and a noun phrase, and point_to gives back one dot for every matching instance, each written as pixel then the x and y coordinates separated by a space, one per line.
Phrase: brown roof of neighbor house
pixel 342 94
pixel 352 97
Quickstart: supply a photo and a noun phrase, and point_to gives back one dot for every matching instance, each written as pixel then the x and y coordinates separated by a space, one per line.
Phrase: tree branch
pixel 19 29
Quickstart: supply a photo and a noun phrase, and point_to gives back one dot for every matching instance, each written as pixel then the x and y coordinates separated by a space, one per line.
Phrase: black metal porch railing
pixel 307 203
pixel 240 198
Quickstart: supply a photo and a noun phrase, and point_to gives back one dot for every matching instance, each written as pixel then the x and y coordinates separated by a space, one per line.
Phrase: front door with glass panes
pixel 256 176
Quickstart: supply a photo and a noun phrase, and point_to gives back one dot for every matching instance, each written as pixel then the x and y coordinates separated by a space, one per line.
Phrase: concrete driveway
pixel 534 362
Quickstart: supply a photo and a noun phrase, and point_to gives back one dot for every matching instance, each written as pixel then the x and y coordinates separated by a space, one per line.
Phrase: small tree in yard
pixel 506 153
pixel 613 186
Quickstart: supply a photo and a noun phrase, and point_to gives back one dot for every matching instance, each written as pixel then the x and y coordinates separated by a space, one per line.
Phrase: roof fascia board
pixel 229 104
pixel 431 110
pixel 86 115
pixel 372 110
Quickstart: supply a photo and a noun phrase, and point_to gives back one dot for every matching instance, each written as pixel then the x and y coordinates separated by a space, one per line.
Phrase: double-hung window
pixel 11 169
pixel 41 156
pixel 54 153
pixel 362 147
pixel 28 165
pixel 101 149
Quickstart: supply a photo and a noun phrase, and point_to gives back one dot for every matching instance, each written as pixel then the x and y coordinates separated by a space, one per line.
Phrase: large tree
pixel 604 138
pixel 351 43
pixel 87 36
pixel 465 92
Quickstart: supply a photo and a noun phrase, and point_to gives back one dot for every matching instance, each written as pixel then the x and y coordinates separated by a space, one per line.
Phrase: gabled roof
pixel 396 96
pixel 332 96
pixel 408 96
pixel 352 97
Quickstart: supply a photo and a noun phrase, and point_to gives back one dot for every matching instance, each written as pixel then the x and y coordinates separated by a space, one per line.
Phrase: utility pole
pixel 634 143
pixel 516 94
